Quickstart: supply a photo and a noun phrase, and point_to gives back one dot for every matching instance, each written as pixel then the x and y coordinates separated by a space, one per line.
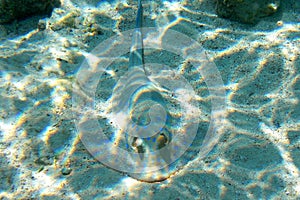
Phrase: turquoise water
pixel 253 140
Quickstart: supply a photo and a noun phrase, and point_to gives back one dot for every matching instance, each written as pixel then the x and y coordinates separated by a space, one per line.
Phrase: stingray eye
pixel 136 142
pixel 162 140
pixel 137 145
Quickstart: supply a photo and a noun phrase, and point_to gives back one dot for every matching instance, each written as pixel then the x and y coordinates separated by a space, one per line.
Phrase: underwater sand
pixel 257 157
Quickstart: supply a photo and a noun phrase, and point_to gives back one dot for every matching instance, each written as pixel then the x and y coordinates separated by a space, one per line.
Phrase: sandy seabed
pixel 257 157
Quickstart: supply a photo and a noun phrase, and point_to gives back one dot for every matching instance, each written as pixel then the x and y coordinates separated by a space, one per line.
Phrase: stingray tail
pixel 136 57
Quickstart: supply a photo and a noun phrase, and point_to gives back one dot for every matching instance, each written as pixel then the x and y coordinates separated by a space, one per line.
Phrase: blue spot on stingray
pixel 106 141
pixel 176 148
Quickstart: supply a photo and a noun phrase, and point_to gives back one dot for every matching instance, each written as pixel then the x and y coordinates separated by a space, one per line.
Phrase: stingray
pixel 151 135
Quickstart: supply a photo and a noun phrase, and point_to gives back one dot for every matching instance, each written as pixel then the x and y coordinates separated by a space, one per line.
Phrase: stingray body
pixel 154 126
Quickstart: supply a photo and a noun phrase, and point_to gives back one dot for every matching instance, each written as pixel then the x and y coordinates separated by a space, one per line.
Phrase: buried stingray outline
pixel 159 159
